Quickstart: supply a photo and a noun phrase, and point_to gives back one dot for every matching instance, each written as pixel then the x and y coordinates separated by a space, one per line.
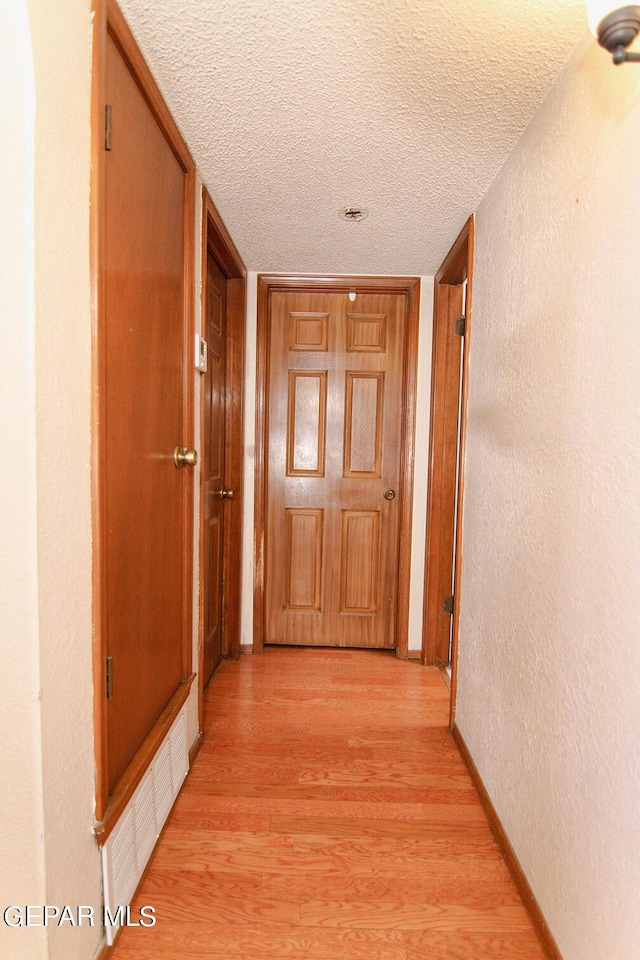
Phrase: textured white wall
pixel 61 37
pixel 420 465
pixel 549 661
pixel 21 824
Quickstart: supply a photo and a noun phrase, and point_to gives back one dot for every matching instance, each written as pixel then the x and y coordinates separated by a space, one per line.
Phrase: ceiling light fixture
pixel 353 213
pixel 615 28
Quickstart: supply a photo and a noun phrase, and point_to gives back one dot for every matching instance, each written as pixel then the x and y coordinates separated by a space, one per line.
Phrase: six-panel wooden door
pixel 333 472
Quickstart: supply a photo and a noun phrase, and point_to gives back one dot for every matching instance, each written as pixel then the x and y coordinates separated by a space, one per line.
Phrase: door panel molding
pixel 363 445
pixel 304 542
pixel 306 423
pixel 217 242
pixel 359 585
pixel 108 22
pixel 441 508
pixel 367 337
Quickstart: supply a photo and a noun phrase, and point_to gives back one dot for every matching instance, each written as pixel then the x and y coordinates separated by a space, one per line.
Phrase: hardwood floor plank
pixel 319 790
pixel 258 942
pixel 253 853
pixel 395 915
pixel 383 850
pixel 386 773
pixel 377 827
pixel 222 906
pixel 210 806
pixel 444 945
pixel 161 882
pixel 184 815
pixel 475 889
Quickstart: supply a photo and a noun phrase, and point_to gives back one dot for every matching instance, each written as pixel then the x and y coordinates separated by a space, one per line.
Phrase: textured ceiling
pixel 296 108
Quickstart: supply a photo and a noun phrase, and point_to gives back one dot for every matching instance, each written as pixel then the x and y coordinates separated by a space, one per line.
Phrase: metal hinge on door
pixel 109 677
pixel 460 326
pixel 447 605
pixel 107 127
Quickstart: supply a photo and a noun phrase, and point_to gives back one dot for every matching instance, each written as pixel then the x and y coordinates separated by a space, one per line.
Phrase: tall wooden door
pixel 144 389
pixel 334 463
pixel 214 465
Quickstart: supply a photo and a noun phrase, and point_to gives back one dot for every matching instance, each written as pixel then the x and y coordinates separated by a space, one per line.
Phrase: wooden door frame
pixel 217 241
pixel 108 20
pixel 443 440
pixel 410 288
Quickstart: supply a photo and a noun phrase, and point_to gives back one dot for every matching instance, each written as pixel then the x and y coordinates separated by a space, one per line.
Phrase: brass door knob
pixel 185 458
pixel 226 494
pixel 389 494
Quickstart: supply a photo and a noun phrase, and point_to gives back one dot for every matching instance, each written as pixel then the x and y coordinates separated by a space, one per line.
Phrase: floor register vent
pixel 126 852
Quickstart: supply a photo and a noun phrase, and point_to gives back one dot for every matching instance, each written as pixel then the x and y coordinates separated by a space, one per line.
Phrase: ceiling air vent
pixel 354 213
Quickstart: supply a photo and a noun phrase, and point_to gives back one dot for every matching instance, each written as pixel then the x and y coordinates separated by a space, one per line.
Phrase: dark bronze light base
pixel 617 31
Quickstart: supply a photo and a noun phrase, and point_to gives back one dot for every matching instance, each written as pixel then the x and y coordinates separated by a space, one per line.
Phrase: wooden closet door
pixel 144 412
pixel 334 449
pixel 213 465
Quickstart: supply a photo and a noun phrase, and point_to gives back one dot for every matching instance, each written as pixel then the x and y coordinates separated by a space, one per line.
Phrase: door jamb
pixel 410 287
pixel 217 241
pixel 445 383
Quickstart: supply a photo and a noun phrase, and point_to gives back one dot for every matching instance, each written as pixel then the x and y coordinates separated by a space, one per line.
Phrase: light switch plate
pixel 202 354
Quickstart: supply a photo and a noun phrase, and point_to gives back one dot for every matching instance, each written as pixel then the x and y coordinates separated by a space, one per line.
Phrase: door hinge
pixel 109 676
pixel 447 605
pixel 107 127
pixel 460 326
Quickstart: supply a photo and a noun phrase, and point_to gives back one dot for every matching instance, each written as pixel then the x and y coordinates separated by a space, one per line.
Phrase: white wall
pixel 420 466
pixel 21 823
pixel 549 661
pixel 61 37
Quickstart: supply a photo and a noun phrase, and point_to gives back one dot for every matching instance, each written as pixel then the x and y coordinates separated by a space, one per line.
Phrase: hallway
pixel 328 816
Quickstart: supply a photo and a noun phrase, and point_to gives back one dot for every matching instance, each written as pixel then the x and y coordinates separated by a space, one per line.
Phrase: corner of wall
pixel 22 866
pixel 63 422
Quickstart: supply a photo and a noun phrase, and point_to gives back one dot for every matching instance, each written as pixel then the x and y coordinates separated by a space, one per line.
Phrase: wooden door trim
pixel 459 545
pixel 108 20
pixel 457 265
pixel 410 287
pixel 217 241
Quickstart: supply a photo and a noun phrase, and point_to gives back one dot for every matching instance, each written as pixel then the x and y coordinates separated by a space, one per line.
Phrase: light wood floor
pixel 328 817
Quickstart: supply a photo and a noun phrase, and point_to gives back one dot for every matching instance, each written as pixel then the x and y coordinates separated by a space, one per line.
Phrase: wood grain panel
pixel 258 941
pixel 359 561
pixel 366 334
pixel 328 826
pixel 364 403
pixel 304 558
pixel 474 889
pixel 471 945
pixel 306 423
pixel 308 331
pixel 397 915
